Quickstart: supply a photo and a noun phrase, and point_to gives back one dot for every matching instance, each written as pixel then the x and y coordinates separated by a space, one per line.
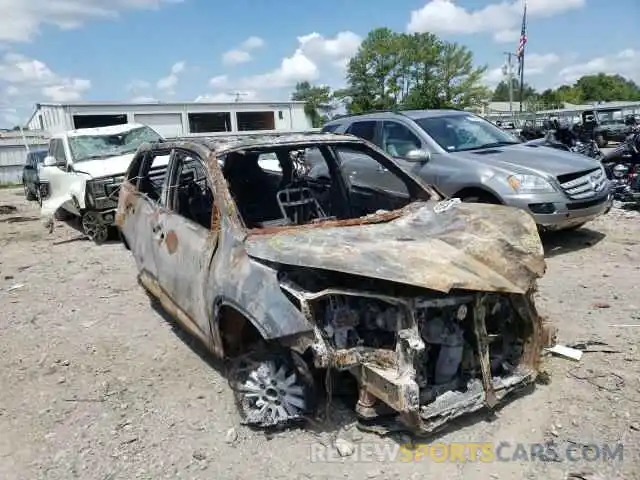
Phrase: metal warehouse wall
pixel 12 157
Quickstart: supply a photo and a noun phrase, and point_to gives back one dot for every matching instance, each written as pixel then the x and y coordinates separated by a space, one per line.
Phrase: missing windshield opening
pixel 294 185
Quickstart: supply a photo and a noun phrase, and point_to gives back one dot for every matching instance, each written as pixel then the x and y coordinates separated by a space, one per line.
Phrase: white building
pixel 173 119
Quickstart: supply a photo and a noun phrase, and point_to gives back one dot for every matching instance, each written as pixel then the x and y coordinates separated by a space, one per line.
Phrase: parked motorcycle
pixel 561 136
pixel 622 165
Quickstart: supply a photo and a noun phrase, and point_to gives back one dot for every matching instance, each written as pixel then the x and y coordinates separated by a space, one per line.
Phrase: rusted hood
pixel 468 246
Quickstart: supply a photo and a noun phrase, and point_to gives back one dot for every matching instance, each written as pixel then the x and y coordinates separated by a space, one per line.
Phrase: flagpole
pixel 524 35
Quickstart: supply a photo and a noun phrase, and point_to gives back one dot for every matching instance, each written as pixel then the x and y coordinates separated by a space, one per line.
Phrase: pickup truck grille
pixel 584 185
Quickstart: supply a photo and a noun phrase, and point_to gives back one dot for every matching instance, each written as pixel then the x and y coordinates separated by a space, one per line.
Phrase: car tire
pixel 601 141
pixel 94 228
pixel 28 194
pixel 272 388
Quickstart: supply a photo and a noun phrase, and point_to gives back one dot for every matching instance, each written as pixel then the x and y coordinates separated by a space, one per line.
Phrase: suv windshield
pixel 459 132
pixel 608 117
pixel 91 147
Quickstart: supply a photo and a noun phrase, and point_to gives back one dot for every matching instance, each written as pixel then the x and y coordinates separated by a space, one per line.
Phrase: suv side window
pixel 147 173
pixel 190 194
pixel 365 129
pixel 398 139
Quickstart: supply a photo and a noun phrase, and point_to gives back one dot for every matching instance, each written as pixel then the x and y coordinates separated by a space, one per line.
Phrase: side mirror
pixel 418 155
pixel 49 161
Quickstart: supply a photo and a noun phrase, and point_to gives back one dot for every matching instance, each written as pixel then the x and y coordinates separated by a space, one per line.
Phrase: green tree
pixel 602 87
pixel 413 71
pixel 319 101
pixel 501 92
pixel 372 72
pixel 460 82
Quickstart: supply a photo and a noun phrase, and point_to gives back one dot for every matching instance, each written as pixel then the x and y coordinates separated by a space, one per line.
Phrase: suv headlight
pixel 529 184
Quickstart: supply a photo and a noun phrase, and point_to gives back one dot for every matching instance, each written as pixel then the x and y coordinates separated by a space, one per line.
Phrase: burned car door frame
pixel 183 240
pixel 141 204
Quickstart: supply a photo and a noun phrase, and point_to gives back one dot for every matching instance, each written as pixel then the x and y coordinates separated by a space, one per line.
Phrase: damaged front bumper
pixel 444 357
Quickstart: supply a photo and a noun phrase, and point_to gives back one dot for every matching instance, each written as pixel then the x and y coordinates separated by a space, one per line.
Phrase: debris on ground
pixel 344 447
pixel 231 436
pixel 7 209
pixel 566 352
pixel 601 305
pixel 587 347
pixel 15 287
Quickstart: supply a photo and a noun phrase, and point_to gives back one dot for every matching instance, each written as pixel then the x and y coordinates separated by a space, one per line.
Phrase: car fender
pixel 256 294
pixel 66 190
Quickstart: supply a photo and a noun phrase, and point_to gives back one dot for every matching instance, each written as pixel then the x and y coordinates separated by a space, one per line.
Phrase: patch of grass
pixel 9 185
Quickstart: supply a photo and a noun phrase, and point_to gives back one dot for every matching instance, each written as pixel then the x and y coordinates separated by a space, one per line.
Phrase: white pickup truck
pixel 84 169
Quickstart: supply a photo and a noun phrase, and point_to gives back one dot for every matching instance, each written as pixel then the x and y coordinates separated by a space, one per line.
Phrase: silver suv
pixel 468 157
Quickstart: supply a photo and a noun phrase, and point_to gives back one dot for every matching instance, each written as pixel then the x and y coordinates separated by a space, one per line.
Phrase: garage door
pixel 169 125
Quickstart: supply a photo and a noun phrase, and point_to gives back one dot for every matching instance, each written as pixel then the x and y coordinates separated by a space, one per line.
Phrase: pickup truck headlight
pixel 529 184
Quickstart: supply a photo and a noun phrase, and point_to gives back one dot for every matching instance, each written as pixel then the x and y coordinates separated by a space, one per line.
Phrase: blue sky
pixel 55 50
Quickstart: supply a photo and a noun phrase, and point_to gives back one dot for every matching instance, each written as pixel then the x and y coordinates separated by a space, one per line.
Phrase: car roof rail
pixel 397 111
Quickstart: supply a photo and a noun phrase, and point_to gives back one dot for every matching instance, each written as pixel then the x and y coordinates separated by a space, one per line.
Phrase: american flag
pixel 523 37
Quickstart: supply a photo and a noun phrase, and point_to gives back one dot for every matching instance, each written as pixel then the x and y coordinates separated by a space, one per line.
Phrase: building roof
pixel 169 104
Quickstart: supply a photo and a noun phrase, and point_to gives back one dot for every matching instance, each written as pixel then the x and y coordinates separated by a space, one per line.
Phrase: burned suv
pixel 428 303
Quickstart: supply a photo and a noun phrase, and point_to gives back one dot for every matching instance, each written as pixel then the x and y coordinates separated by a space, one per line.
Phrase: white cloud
pixel 535 64
pixel 24 76
pixel 67 92
pixel 313 52
pixel 168 83
pixel 138 87
pixel 625 63
pixel 242 54
pixel 547 70
pixel 493 76
pixel 219 81
pixel 252 43
pixel 21 20
pixel 12 91
pixel 506 36
pixel 236 57
pixel 446 17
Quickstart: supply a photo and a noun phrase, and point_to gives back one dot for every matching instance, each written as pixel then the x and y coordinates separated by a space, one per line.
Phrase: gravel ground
pixel 97 385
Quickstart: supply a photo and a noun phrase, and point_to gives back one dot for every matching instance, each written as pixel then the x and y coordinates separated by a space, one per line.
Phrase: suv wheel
pixel 272 389
pixel 28 194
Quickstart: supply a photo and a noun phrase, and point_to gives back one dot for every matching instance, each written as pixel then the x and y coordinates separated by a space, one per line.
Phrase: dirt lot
pixel 97 385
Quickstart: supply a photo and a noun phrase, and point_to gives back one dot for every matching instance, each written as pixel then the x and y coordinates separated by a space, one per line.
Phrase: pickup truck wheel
pixel 94 228
pixel 28 194
pixel 272 389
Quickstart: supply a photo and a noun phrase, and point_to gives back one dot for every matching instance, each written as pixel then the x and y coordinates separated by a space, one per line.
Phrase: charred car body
pixel 428 303
pixel 84 169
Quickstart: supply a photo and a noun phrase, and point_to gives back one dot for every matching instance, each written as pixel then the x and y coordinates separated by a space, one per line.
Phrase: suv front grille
pixel 584 185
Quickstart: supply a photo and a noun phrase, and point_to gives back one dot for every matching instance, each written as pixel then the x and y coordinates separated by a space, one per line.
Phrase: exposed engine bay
pixel 426 355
